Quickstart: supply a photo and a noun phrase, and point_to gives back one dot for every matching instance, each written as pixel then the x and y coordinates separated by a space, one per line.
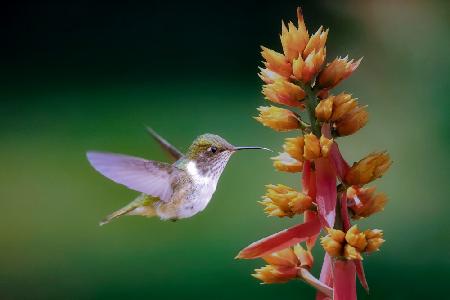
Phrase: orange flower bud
pixel 374 239
pixel 283 266
pixel 332 247
pixel 294 39
pixel 276 62
pixel 311 149
pixel 351 252
pixel 336 71
pixel 279 119
pixel 285 163
pixel 312 64
pixel 342 104
pixel 316 42
pixel 275 274
pixel 269 76
pixel 368 202
pixel 294 147
pixel 352 121
pixel 369 168
pixel 284 92
pixel 299 204
pixel 305 256
pixel 356 238
pixel 325 145
pixel 324 109
pixel 283 201
pixel 297 67
pixel 284 258
pixel 336 234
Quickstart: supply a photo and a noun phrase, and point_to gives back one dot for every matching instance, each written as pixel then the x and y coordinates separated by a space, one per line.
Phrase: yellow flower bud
pixel 286 258
pixel 279 119
pixel 325 145
pixel 352 121
pixel 311 149
pixel 300 203
pixel 342 104
pixel 369 168
pixel 285 163
pixel 282 201
pixel 305 256
pixel 284 92
pixel 274 274
pixel 276 62
pixel 269 76
pixel 351 252
pixel 297 67
pixel 336 234
pixel 332 247
pixel 316 42
pixel 336 71
pixel 312 64
pixel 294 147
pixel 283 266
pixel 294 39
pixel 368 202
pixel 374 239
pixel 356 238
pixel 324 109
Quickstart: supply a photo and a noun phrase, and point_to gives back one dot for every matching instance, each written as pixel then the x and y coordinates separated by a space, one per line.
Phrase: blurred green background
pixel 86 75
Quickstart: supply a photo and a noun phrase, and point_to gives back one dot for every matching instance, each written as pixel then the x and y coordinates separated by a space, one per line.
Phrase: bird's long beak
pixel 252 147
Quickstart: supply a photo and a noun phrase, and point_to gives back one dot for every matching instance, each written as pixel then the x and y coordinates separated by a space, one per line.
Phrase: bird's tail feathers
pixel 141 206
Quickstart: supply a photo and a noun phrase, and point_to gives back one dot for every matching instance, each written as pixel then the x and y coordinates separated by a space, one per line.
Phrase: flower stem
pixel 311 103
pixel 314 282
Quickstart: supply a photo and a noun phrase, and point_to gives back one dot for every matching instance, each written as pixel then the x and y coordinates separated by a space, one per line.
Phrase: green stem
pixel 338 223
pixel 311 103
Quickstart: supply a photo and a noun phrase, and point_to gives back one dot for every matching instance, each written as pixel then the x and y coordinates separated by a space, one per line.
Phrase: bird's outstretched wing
pixel 149 177
pixel 170 149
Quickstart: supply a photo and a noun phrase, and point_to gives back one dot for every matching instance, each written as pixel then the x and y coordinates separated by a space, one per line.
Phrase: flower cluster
pixel 333 192
pixel 353 243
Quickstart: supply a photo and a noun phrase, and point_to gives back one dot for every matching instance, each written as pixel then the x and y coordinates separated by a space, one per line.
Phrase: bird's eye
pixel 212 149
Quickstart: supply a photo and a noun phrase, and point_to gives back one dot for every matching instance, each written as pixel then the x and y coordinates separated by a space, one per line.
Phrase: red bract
pixel 326 276
pixel 344 280
pixel 281 240
pixel 326 191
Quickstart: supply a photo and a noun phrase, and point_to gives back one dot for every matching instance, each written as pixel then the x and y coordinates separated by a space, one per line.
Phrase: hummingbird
pixel 169 191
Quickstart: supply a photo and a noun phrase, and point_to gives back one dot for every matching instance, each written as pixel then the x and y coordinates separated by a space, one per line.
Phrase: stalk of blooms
pixel 332 192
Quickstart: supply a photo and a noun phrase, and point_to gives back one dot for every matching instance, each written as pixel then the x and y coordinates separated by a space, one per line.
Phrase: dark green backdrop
pixel 85 75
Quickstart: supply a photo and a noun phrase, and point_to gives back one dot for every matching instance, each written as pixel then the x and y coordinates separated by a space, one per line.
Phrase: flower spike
pixel 332 192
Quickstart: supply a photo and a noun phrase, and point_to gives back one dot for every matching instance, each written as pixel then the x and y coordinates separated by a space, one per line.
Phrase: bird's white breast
pixel 195 174
pixel 205 188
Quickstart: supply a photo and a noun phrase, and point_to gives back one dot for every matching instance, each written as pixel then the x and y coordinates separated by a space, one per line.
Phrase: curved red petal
pixel 281 240
pixel 361 275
